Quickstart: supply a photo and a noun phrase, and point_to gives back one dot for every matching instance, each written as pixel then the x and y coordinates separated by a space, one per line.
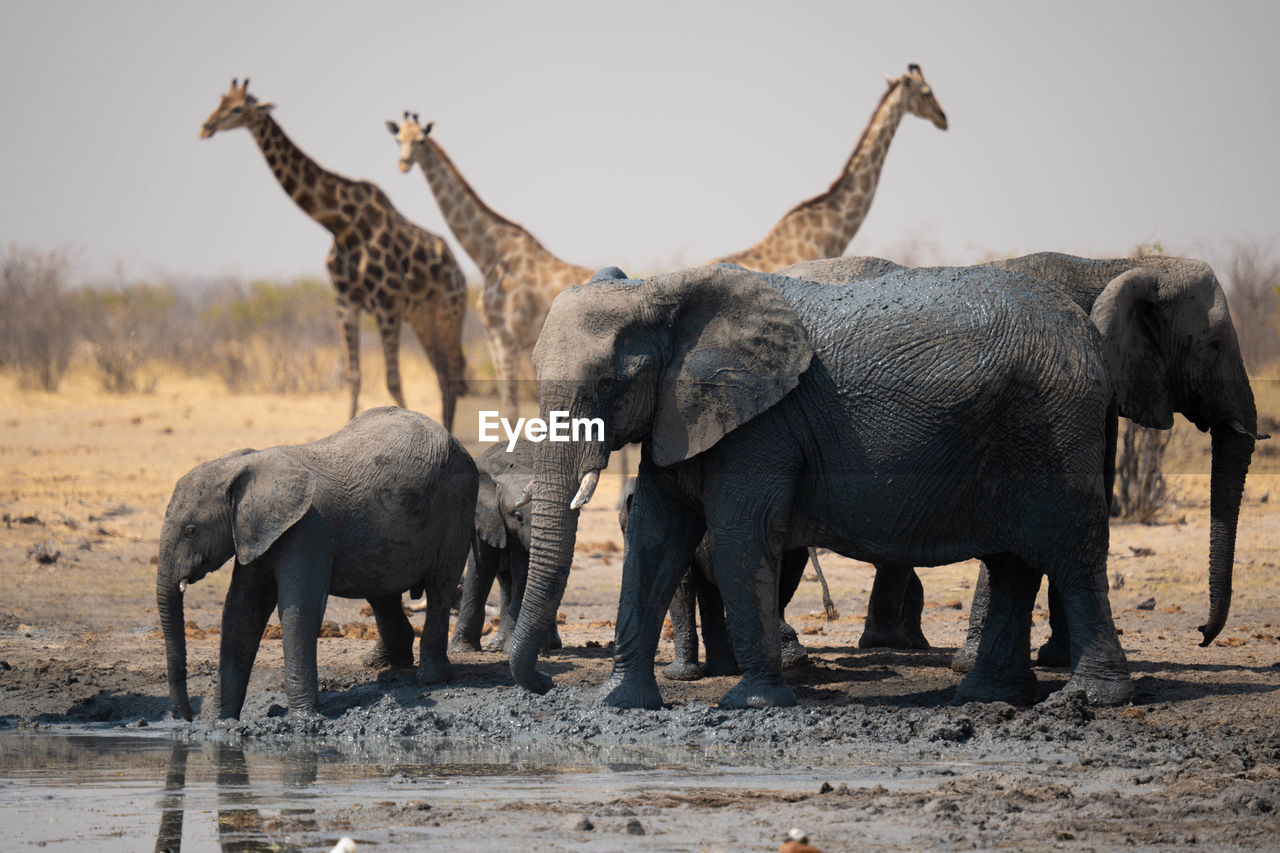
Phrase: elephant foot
pixel 717 667
pixel 463 644
pixel 497 643
pixel 435 671
pixel 885 638
pixel 630 693
pixel 916 639
pixel 759 693
pixel 1054 653
pixel 381 658
pixel 977 688
pixel 793 654
pixel 1102 691
pixel 964 658
pixel 682 670
pixel 553 641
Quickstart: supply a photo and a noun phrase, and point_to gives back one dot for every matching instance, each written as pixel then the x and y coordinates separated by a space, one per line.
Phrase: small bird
pixel 344 845
pixel 797 842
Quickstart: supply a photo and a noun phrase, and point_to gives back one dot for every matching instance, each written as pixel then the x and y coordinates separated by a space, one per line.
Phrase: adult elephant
pixel 384 505
pixel 922 419
pixel 501 548
pixel 1171 347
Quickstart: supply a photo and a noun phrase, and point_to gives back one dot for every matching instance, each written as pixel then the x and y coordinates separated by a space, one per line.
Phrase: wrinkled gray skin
pixel 1171 346
pixel 920 419
pixel 501 548
pixel 697 595
pixel 383 506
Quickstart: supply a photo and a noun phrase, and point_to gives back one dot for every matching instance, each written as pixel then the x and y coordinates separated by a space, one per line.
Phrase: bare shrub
pixel 37 331
pixel 127 327
pixel 1140 490
pixel 278 338
pixel 1251 279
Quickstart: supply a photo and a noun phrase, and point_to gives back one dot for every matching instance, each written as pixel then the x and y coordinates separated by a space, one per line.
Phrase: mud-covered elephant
pixel 1171 347
pixel 501 548
pixel 383 506
pixel 923 419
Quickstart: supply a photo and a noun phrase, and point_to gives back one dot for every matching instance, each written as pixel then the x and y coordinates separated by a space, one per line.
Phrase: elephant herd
pixel 903 417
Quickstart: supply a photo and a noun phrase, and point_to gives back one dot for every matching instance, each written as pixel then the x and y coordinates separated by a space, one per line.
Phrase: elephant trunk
pixel 555 527
pixel 1232 450
pixel 169 603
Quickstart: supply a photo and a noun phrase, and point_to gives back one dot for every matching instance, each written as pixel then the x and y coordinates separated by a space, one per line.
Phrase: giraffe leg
pixel 449 367
pixel 506 365
pixel 349 317
pixel 389 330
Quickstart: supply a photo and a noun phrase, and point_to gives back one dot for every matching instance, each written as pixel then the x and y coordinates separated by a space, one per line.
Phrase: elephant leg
pixel 395 634
pixel 1056 651
pixel 302 572
pixel 685 632
pixel 250 600
pixel 962 660
pixel 793 563
pixel 747 568
pixel 518 561
pixel 1002 670
pixel 433 657
pixel 912 608
pixel 883 625
pixel 715 632
pixel 1099 667
pixel 663 531
pixel 482 568
pixel 506 622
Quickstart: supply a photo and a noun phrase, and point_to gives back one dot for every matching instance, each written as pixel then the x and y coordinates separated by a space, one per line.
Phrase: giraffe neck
pixel 486 235
pixel 849 198
pixel 314 189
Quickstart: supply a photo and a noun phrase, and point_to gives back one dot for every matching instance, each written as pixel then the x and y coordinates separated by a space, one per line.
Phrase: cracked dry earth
pixel 873 757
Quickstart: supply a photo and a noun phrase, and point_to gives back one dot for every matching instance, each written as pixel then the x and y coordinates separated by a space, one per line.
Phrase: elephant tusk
pixel 588 488
pixel 182 587
pixel 1240 428
pixel 525 496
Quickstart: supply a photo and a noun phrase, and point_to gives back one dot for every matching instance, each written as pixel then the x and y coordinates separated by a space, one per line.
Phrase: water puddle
pixel 104 790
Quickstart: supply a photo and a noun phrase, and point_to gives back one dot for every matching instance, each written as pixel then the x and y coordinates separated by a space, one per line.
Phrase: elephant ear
pixel 269 495
pixel 1127 314
pixel 489 524
pixel 737 348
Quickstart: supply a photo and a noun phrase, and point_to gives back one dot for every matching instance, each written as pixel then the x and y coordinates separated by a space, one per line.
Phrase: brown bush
pixel 37 331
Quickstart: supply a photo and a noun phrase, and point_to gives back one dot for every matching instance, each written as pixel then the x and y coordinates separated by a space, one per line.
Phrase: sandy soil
pixel 84 479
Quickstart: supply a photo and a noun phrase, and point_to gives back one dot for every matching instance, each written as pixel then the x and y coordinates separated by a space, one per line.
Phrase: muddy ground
pixel 1194 762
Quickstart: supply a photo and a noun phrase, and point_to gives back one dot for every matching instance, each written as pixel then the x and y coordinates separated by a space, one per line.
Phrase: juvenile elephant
pixel 501 548
pixel 921 419
pixel 384 505
pixel 1171 347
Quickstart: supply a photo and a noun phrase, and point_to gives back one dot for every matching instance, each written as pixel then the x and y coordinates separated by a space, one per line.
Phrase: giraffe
pixel 380 261
pixel 823 226
pixel 521 277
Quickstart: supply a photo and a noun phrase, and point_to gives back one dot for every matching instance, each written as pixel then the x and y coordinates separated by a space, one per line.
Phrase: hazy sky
pixel 648 135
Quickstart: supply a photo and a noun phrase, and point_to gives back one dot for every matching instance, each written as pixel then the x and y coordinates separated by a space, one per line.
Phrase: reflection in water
pixel 241 826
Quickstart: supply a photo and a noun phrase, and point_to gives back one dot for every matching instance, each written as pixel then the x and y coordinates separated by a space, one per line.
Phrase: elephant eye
pixel 189 531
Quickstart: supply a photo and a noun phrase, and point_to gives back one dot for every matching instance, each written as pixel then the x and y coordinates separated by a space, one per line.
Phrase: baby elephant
pixel 384 505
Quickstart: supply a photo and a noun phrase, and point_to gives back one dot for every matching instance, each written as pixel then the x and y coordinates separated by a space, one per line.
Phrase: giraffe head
pixel 236 109
pixel 411 135
pixel 919 95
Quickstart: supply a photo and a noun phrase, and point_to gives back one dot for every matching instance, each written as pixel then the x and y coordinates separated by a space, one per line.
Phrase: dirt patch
pixel 1192 762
